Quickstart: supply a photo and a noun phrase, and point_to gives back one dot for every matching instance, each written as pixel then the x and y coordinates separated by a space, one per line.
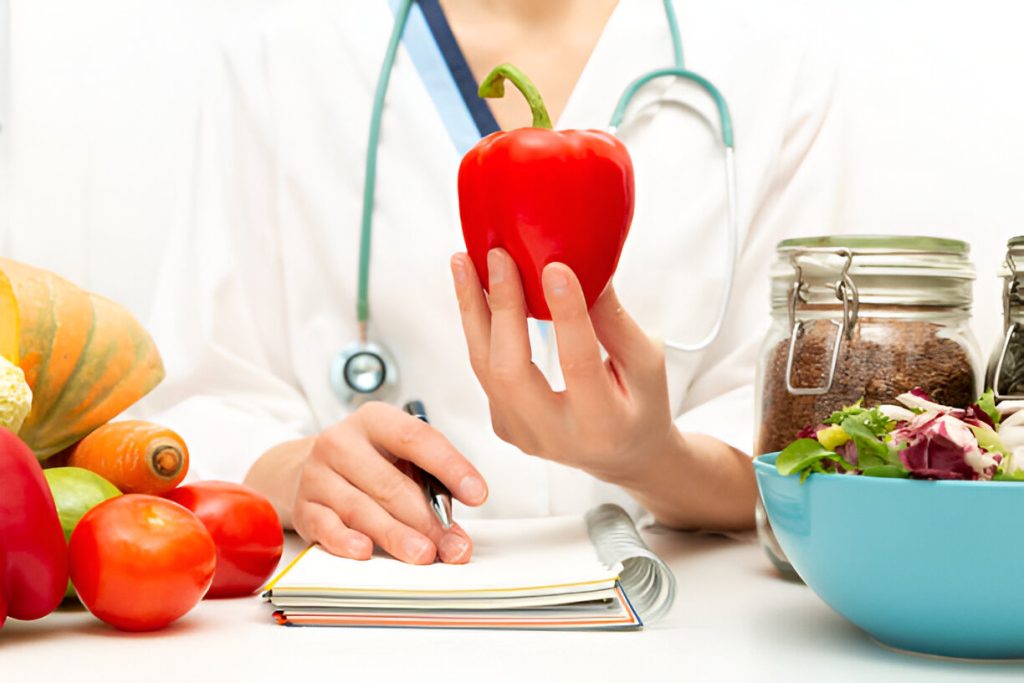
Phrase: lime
pixel 76 491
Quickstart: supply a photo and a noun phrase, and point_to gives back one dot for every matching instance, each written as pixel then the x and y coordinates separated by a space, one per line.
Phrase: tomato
pixel 246 529
pixel 139 562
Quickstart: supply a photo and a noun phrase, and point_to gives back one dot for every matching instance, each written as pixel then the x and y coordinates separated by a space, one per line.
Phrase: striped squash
pixel 86 358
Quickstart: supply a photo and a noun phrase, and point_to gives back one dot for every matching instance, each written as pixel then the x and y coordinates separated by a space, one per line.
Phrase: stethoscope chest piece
pixel 364 371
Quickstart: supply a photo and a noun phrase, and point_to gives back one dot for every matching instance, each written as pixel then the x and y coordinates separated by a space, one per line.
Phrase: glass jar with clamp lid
pixel 863 317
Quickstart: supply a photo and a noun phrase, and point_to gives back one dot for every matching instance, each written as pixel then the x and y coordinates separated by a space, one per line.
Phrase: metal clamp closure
pixel 997 376
pixel 1011 287
pixel 1011 295
pixel 846 293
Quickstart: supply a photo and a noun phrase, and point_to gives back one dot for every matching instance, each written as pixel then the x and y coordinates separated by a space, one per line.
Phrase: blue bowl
pixel 934 567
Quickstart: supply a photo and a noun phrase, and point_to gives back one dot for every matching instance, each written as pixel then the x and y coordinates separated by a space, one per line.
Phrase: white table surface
pixel 733 620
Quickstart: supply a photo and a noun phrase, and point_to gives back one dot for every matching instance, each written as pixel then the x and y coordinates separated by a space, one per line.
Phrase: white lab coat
pixel 258 293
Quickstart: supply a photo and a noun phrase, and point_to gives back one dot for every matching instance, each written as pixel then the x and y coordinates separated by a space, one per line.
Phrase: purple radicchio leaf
pixel 811 431
pixel 921 393
pixel 849 451
pixel 918 400
pixel 941 447
pixel 808 432
pixel 976 417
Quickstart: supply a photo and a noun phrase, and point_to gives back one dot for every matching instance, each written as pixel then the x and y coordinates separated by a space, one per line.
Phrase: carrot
pixel 134 455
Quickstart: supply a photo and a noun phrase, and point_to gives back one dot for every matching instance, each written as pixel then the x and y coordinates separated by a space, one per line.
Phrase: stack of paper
pixel 536 574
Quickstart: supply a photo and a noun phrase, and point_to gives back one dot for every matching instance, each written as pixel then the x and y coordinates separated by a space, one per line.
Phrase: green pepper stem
pixel 494 86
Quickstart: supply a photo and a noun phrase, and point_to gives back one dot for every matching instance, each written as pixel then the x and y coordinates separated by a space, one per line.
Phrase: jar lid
pixel 891 270
pixel 883 242
pixel 1014 262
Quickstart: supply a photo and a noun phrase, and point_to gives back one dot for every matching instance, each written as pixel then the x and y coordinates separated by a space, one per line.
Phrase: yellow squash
pixel 9 322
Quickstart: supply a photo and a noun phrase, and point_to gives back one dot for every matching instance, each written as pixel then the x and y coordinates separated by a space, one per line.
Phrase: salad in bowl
pixel 903 518
pixel 916 438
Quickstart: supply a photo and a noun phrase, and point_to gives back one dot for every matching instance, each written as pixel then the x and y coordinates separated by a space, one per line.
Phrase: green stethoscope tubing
pixel 370 173
pixel 677 71
pixel 680 71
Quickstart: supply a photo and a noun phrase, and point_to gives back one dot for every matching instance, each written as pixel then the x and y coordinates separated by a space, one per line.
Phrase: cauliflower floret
pixel 15 396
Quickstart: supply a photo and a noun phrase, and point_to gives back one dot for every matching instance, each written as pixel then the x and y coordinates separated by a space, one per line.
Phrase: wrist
pixel 646 462
pixel 276 475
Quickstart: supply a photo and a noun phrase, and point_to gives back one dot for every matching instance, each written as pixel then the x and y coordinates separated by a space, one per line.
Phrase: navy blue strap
pixel 459 68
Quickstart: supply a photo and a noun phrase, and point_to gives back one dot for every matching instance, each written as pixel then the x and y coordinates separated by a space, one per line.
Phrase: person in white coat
pixel 258 291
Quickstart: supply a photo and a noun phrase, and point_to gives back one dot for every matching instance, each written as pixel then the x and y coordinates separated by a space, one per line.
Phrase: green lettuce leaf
pixel 805 456
pixel 889 471
pixel 872 418
pixel 987 402
pixel 838 416
pixel 868 433
pixel 989 440
pixel 801 455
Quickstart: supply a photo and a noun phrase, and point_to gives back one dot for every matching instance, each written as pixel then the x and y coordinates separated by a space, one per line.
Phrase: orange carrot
pixel 134 455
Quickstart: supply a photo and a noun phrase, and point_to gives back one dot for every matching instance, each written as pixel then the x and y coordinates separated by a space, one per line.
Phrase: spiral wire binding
pixel 647 581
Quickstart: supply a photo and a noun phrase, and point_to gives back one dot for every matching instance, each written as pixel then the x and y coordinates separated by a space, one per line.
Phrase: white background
pixel 103 97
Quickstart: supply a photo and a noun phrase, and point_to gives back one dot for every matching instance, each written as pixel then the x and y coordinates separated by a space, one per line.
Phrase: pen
pixel 438 496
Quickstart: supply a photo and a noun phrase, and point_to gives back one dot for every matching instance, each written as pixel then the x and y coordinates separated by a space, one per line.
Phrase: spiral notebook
pixel 591 572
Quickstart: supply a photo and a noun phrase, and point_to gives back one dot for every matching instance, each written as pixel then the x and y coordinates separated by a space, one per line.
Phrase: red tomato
pixel 139 562
pixel 246 529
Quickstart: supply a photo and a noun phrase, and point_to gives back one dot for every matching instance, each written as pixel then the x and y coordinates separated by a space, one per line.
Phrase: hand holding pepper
pixel 556 204
pixel 544 214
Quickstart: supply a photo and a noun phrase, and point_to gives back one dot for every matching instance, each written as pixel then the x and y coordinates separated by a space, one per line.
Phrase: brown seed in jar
pixel 883 359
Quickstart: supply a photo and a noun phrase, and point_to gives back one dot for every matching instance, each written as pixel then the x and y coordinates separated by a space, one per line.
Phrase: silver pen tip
pixel 443 509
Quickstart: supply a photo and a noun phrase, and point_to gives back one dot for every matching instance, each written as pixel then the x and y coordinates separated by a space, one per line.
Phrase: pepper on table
pixel 33 552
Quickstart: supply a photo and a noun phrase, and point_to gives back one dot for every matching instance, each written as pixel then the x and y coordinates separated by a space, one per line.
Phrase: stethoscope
pixel 365 370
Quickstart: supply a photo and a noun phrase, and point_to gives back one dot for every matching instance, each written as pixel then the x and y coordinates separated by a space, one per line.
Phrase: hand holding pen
pixel 357 488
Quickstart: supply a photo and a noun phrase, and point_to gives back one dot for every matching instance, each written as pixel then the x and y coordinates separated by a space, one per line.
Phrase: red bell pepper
pixel 546 196
pixel 33 552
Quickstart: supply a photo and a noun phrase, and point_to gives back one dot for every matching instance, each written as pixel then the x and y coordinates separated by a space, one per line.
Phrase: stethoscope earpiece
pixel 363 371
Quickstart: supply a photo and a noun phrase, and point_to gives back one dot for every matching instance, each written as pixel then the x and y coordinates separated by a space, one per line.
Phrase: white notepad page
pixel 522 556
